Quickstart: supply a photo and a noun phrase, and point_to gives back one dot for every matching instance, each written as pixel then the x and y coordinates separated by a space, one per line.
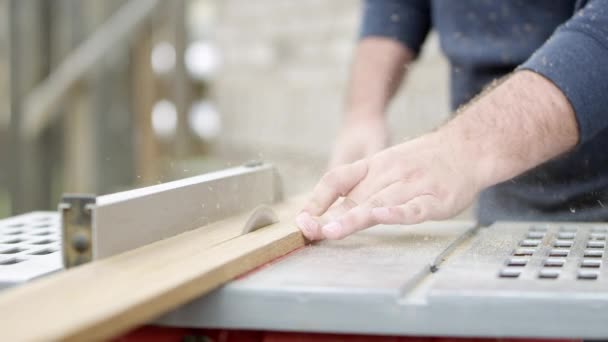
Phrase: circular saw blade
pixel 261 216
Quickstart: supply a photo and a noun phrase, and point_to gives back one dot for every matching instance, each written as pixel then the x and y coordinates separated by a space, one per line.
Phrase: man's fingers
pixel 336 183
pixel 352 221
pixel 360 217
pixel 382 178
pixel 310 227
pixel 417 210
pixel 396 194
pixel 336 211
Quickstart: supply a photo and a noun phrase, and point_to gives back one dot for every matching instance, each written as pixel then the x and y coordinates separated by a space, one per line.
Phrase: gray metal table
pixel 381 281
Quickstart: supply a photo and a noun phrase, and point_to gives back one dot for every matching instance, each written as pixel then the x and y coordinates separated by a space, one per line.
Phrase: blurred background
pixel 100 96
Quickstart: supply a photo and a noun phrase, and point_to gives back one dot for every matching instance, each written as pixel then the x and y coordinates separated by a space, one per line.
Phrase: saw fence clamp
pixel 76 228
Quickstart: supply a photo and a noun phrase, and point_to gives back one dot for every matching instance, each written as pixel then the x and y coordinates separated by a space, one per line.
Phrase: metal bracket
pixel 77 232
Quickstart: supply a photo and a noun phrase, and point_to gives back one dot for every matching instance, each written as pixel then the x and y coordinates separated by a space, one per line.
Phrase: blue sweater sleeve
pixel 407 21
pixel 575 59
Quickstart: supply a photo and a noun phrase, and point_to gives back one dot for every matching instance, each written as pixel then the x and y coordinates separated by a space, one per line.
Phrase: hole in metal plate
pixel 523 251
pixel 42 242
pixel 12 241
pixel 588 274
pixel 509 273
pixel 599 229
pixel 597 236
pixel 591 263
pixel 535 235
pixel 44 252
pixel 10 261
pixel 538 229
pixel 42 233
pixel 566 235
pixel 559 252
pixel 529 243
pixel 13 232
pixel 12 250
pixel 43 225
pixel 554 262
pixel 596 244
pixel 549 274
pixel 567 229
pixel 517 262
pixel 589 253
pixel 562 244
pixel 15 225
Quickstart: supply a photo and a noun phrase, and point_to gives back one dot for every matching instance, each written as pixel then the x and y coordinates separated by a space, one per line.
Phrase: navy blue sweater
pixel 564 40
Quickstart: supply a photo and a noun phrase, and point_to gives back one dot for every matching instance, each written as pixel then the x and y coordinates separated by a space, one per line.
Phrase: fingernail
pixel 332 228
pixel 381 213
pixel 303 220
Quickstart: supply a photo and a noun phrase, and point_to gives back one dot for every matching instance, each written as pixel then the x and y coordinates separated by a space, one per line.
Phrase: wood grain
pixel 108 297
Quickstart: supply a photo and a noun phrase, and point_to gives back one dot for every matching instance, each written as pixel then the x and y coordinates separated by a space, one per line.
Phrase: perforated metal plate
pixel 29 247
pixel 568 251
pixel 522 279
pixel 522 258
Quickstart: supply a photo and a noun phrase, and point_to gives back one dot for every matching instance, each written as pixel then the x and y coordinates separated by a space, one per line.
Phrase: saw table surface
pixel 440 279
pixel 381 281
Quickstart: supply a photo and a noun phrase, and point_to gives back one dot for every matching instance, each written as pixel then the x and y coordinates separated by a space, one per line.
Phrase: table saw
pixel 452 278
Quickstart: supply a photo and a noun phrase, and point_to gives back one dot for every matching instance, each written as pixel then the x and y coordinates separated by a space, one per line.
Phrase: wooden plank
pixel 108 297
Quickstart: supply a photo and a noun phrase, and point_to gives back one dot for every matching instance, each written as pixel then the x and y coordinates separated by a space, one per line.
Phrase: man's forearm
pixel 378 69
pixel 523 122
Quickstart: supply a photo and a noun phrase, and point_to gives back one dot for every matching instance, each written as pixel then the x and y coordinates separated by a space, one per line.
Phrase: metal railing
pixel 36 109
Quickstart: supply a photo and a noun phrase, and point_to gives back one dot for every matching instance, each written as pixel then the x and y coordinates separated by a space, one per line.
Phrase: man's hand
pixel 359 139
pixel 523 122
pixel 423 179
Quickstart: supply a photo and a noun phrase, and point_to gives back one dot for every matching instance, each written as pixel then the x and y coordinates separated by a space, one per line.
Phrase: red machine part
pixel 165 334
